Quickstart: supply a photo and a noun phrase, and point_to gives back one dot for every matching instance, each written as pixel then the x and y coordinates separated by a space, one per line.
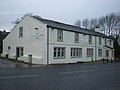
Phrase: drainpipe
pixel 95 48
pixel 47 45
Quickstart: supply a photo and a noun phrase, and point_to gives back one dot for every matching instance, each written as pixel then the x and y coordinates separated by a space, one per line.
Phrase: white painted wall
pixel 68 42
pixel 38 47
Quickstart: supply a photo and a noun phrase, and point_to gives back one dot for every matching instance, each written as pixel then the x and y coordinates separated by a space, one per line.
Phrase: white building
pixel 52 42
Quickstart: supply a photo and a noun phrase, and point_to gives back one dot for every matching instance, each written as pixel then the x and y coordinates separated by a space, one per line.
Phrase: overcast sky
pixel 67 11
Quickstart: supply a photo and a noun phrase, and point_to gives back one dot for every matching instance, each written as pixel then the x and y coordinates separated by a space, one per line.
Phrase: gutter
pixel 47 45
pixel 95 48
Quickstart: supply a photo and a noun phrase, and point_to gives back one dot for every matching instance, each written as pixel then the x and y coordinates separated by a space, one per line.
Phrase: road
pixel 62 77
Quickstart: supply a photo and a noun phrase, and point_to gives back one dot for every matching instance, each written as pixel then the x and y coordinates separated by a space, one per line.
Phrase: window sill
pixel 76 42
pixel 59 40
pixel 89 56
pixel 76 57
pixel 59 58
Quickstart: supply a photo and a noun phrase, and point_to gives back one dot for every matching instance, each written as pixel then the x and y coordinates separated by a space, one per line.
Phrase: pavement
pixel 62 77
pixel 5 63
pixel 8 63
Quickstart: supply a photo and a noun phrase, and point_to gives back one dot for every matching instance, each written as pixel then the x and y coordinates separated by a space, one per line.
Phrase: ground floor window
pixel 100 52
pixel 59 52
pixel 106 53
pixel 89 52
pixel 76 52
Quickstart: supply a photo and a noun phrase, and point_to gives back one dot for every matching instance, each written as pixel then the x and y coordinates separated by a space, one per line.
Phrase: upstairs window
pixel 100 41
pixel 90 39
pixel 105 41
pixel 20 32
pixel 59 35
pixel 110 42
pixel 76 37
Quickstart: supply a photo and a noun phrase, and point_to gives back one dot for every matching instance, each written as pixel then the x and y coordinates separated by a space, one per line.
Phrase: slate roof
pixel 67 27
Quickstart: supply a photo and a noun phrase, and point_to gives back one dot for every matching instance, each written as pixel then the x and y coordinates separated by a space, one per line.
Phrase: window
pixel 55 51
pixel 100 42
pixel 89 52
pixel 76 37
pixel 60 35
pixel 63 52
pixel 90 39
pixel 112 53
pixel 76 52
pixel 20 32
pixel 59 52
pixel 105 41
pixel 110 42
pixel 100 52
pixel 107 53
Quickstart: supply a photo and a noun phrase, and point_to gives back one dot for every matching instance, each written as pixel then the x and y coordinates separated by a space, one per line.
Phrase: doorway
pixel 19 52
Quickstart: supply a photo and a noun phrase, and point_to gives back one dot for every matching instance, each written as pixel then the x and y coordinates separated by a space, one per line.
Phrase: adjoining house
pixel 3 34
pixel 51 42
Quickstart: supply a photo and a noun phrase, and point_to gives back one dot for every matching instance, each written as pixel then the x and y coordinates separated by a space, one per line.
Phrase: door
pixel 19 52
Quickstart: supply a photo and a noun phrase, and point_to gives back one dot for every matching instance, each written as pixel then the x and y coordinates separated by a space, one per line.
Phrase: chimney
pixel 98 29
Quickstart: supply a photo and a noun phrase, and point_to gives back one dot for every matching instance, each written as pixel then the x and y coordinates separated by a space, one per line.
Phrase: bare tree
pixel 116 25
pixel 93 23
pixel 85 23
pixel 78 23
pixel 109 23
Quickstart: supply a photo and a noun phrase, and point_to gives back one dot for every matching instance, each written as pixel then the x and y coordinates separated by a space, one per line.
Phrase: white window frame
pixel 100 41
pixel 105 41
pixel 59 52
pixel 76 37
pixel 90 52
pixel 20 32
pixel 99 52
pixel 110 42
pixel 60 35
pixel 90 39
pixel 76 52
pixel 107 53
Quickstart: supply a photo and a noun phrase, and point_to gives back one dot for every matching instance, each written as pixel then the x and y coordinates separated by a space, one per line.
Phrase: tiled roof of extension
pixel 67 27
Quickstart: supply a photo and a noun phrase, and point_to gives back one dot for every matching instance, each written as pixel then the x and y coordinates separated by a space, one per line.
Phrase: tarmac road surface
pixel 62 77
